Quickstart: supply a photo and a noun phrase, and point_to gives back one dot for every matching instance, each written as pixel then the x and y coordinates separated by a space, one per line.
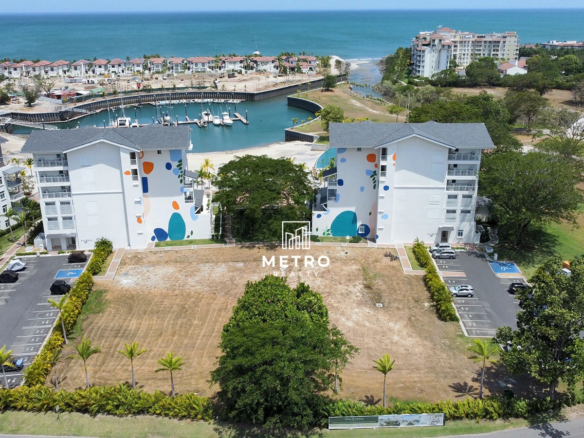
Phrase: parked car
pixel 8 277
pixel 440 247
pixel 516 287
pixel 60 287
pixel 444 254
pixel 77 257
pixel 463 290
pixel 17 365
pixel 16 265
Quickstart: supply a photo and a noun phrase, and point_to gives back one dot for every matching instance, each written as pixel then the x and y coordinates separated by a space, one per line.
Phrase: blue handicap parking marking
pixel 69 273
pixel 504 268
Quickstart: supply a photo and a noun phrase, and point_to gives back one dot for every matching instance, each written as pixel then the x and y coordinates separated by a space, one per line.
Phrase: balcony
pixel 68 224
pixel 460 188
pixel 16 196
pixel 53 225
pixel 49 195
pixel 13 182
pixel 51 210
pixel 450 218
pixel 54 179
pixel 58 162
pixel 464 157
pixel 462 172
pixel 66 209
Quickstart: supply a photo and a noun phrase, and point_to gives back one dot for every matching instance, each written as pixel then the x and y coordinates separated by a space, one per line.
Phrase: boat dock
pixel 237 116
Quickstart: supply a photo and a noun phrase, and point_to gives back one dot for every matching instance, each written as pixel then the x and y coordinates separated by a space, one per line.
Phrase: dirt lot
pixel 180 300
pixel 556 98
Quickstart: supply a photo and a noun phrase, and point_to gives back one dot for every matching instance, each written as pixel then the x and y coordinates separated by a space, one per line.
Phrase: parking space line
pixel 45 318
pixel 43 311
pixel 473 313
pixel 476 320
pixel 27 354
pixel 38 335
pixel 26 345
pixel 43 304
pixel 36 327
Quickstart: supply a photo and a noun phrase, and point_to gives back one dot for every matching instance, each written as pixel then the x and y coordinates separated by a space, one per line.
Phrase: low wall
pixel 292 135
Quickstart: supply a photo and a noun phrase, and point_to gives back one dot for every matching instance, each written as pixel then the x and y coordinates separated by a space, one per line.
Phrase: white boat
pixel 166 117
pixel 123 122
pixel 226 119
pixel 135 125
pixel 216 120
pixel 206 116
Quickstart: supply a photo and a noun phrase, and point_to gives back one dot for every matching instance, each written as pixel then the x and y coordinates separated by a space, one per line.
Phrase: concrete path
pixel 113 267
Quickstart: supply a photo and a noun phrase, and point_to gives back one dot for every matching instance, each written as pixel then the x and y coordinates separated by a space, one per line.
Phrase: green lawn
pixel 6 242
pixel 564 239
pixel 415 265
pixel 106 264
pixel 149 427
pixel 188 242
pixel 94 304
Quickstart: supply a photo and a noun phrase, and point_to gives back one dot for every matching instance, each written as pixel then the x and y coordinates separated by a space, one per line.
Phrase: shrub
pixel 438 291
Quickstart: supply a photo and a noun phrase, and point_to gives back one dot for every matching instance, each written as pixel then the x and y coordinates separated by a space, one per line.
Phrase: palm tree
pixel 29 162
pixel 10 214
pixel 294 121
pixel 170 363
pixel 132 351
pixel 60 305
pixel 5 362
pixel 22 218
pixel 85 351
pixel 384 366
pixel 16 161
pixel 483 351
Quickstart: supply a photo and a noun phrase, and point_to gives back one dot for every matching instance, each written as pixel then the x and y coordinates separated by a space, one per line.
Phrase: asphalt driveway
pixel 26 318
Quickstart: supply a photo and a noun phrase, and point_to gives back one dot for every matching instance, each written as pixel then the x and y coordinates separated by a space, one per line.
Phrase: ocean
pixel 348 34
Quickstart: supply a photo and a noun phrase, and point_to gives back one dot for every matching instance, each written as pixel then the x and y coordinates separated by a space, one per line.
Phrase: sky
pixel 59 6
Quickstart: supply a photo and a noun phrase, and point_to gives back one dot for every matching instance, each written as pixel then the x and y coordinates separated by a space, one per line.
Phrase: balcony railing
pixel 133 162
pixel 13 182
pixel 460 188
pixel 51 210
pixel 68 225
pixel 17 195
pixel 452 202
pixel 465 217
pixel 331 182
pixel 188 184
pixel 56 194
pixel 189 199
pixel 450 218
pixel 464 157
pixel 51 163
pixel 66 209
pixel 462 172
pixel 53 225
pixel 54 179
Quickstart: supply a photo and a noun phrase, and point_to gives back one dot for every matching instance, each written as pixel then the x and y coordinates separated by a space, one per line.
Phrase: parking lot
pixel 492 306
pixel 26 318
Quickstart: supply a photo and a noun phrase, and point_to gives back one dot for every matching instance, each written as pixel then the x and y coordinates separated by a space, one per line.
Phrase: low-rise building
pixel 5 68
pixel 137 65
pixel 59 68
pixel 201 64
pixel 396 182
pixel 80 68
pixel 176 65
pixel 156 65
pixel 100 66
pixel 10 191
pixel 128 185
pixel 553 44
pixel 512 68
pixel 117 66
pixel 265 63
pixel 231 63
pixel 41 68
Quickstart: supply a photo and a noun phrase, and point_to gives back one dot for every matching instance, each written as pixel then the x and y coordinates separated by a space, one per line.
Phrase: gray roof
pixel 144 138
pixel 373 135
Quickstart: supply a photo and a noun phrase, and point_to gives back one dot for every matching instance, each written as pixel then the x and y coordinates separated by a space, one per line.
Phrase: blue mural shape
pixel 160 234
pixel 168 166
pixel 362 188
pixel 345 224
pixel 365 232
pixel 176 227
pixel 386 188
pixel 175 154
pixel 368 172
pixel 176 170
pixel 328 210
pixel 343 160
pixel 144 184
pixel 319 216
pixel 385 216
pixel 341 150
pixel 338 198
pixel 340 182
pixel 194 216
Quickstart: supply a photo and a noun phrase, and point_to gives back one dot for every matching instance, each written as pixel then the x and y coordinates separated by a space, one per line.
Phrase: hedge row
pixel 438 291
pixel 491 408
pixel 109 400
pixel 103 248
pixel 36 373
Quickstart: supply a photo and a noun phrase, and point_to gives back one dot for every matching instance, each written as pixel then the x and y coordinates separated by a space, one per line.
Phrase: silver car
pixel 463 290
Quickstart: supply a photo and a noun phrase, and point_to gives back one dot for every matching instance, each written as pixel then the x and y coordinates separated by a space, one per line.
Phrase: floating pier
pixel 237 116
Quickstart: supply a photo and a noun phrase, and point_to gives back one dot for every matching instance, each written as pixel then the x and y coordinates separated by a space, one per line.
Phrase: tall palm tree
pixel 5 362
pixel 16 161
pixel 22 218
pixel 85 351
pixel 170 363
pixel 384 366
pixel 60 305
pixel 132 351
pixel 29 162
pixel 10 214
pixel 483 351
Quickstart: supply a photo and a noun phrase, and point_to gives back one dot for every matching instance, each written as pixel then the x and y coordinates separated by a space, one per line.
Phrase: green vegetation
pixel 330 113
pixel 438 291
pixel 105 265
pixel 384 365
pixel 6 241
pixel 547 343
pixel 412 258
pixel 189 242
pixel 170 363
pixel 132 351
pixel 103 248
pixel 95 304
pixel 329 81
pixel 84 351
pixel 396 66
pixel 353 239
pixel 483 351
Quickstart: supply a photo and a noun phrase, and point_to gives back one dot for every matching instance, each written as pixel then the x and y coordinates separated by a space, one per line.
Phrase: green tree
pixel 30 95
pixel 568 64
pixel 29 162
pixel 60 306
pixel 4 97
pixel 384 366
pixel 11 214
pixel 279 355
pixel 132 351
pixel 395 109
pixel 525 104
pixel 547 343
pixel 21 217
pixel 170 363
pixel 396 66
pixel 262 192
pixel 529 190
pixel 294 121
pixel 483 72
pixel 565 144
pixel 578 93
pixel 329 81
pixel 330 113
pixel 342 351
pixel 483 351
pixel 85 351
pixel 5 362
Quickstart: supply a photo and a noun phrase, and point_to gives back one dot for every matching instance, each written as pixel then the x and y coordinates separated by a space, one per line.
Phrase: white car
pixel 16 265
pixel 438 247
pixel 463 290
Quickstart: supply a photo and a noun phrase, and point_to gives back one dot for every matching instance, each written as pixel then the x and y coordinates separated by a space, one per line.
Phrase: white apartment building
pixel 128 185
pixel 396 182
pixel 432 51
pixel 10 190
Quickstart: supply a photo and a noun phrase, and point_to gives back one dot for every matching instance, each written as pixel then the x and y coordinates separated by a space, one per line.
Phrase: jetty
pixel 237 116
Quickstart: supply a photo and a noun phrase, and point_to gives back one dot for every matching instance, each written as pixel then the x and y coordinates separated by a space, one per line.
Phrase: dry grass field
pixel 180 300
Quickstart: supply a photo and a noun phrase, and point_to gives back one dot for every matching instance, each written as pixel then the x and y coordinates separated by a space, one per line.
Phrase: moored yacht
pixel 226 119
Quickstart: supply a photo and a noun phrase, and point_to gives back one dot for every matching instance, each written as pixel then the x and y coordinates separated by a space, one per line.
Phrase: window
pixel 383 171
pixel 460 233
pixel 134 174
pixel 361 229
pixel 159 152
pixel 4 208
pixel 6 224
pixel 358 149
pixel 2 195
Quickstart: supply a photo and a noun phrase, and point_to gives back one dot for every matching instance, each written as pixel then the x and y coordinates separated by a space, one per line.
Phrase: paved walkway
pixel 113 267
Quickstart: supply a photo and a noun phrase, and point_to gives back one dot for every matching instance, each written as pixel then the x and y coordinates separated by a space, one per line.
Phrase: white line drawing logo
pixel 295 235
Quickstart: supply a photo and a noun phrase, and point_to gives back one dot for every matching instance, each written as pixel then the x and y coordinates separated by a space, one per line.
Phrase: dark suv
pixel 516 287
pixel 77 257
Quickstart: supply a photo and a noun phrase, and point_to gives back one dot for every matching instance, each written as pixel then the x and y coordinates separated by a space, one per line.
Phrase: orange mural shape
pixel 148 167
pixel 372 158
pixel 175 205
pixel 139 220
pixel 141 154
pixel 393 156
pixel 127 172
